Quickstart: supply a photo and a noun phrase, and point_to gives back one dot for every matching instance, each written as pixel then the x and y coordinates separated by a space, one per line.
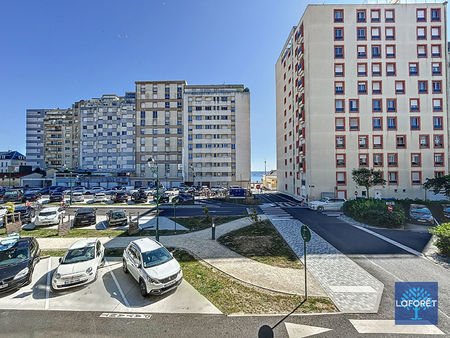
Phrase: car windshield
pixel 47 213
pixel 79 255
pixel 84 211
pixel 421 211
pixel 118 214
pixel 156 257
pixel 14 255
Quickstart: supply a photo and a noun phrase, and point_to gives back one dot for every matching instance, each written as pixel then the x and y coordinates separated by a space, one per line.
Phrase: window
pixel 340 160
pixel 436 68
pixel 362 69
pixel 421 51
pixel 437 105
pixel 435 33
pixel 391 69
pixel 436 51
pixel 421 33
pixel 338 52
pixel 338 33
pixel 390 33
pixel 438 159
pixel 375 15
pixel 339 87
pixel 416 177
pixel 435 14
pixel 377 142
pixel 338 15
pixel 415 123
pixel 354 105
pixel 437 123
pixel 341 178
pixel 361 33
pixel 438 141
pixel 414 105
pixel 363 160
pixel 376 105
pixel 392 160
pixel 362 87
pixel 377 160
pixel 376 69
pixel 340 123
pixel 422 86
pixel 340 142
pixel 389 15
pixel 390 51
pixel 438 174
pixel 401 141
pixel 421 15
pixel 392 177
pixel 391 105
pixel 338 69
pixel 360 15
pixel 362 142
pixel 354 123
pixel 377 123
pixel 362 51
pixel 375 33
pixel 339 106
pixel 399 87
pixel 415 160
pixel 376 88
pixel 424 141
pixel 413 68
pixel 167 105
pixel 376 51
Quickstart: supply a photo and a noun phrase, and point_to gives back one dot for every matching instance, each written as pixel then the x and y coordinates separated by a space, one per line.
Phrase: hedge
pixel 442 232
pixel 374 212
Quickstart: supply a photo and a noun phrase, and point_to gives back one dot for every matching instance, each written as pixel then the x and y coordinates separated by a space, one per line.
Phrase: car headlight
pixel 152 280
pixel 89 271
pixel 57 275
pixel 22 273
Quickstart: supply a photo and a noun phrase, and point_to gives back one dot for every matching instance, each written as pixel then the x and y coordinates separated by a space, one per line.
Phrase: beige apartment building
pixel 363 86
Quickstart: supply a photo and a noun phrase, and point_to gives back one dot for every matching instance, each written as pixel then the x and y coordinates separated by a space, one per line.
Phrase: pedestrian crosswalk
pixel 288 204
pixel 275 212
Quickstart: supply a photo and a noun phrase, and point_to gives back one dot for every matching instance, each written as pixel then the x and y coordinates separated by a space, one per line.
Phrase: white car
pixel 77 197
pixel 100 197
pixel 152 266
pixel 94 190
pixel 79 265
pixel 327 204
pixel 3 212
pixel 49 216
pixel 79 189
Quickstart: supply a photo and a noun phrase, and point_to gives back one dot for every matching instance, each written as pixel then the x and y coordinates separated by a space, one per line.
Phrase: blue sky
pixel 56 52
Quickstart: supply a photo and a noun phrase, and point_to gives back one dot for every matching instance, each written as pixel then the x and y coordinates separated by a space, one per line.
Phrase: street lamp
pixel 154 168
pixel 70 171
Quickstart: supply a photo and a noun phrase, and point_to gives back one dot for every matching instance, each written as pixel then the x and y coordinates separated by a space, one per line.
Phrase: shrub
pixel 374 212
pixel 442 232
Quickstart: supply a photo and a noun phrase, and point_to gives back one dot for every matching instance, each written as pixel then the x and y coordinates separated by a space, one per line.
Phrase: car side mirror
pixel 60 259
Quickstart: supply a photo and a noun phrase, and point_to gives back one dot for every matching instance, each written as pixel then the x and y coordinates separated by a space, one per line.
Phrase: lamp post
pixel 70 182
pixel 154 167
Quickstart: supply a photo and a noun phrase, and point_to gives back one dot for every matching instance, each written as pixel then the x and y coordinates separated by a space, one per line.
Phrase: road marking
pixel 47 288
pixel 388 326
pixel 125 300
pixel 352 288
pixel 126 315
pixel 298 331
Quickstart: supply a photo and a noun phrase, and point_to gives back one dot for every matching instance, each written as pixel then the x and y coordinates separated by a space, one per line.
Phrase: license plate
pixel 71 281
pixel 2 286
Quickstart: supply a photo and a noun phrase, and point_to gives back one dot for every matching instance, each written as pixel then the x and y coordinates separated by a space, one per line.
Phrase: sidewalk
pixel 200 244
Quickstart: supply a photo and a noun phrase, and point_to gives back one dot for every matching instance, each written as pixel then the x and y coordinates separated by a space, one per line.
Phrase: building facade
pixel 11 160
pixel 35 137
pixel 363 86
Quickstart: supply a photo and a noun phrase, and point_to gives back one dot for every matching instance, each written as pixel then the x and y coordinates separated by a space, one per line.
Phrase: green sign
pixel 175 200
pixel 306 234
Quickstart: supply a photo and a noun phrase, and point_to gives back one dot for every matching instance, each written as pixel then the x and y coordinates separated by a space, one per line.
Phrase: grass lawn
pixel 231 296
pixel 261 242
pixel 200 222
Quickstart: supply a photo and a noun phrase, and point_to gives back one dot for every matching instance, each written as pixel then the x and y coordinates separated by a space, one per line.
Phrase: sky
pixel 54 53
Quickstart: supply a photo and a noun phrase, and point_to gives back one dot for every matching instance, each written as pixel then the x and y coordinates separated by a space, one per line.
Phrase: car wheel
pixel 143 288
pixel 30 278
pixel 320 209
pixel 124 267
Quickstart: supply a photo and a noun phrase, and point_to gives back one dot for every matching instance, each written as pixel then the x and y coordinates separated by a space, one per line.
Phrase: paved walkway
pixel 199 243
pixel 351 288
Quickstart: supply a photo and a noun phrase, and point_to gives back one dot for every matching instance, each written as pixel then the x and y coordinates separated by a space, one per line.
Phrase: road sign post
pixel 175 201
pixel 306 235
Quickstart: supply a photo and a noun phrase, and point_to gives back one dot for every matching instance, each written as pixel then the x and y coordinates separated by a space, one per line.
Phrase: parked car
pixel 44 191
pixel 152 266
pixel 100 197
pixel 172 191
pixel 56 197
pixel 3 212
pixel 85 216
pixel 49 216
pixel 419 213
pixel 77 197
pixel 164 198
pixel 12 196
pixel 79 265
pixel 26 213
pixel 185 198
pixel 119 197
pixel 327 204
pixel 78 189
pixel 30 196
pixel 94 190
pixel 116 217
pixel 446 210
pixel 18 257
pixel 139 196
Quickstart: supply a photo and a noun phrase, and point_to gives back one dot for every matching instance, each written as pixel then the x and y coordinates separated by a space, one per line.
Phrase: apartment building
pixel 107 138
pixel 11 160
pixel 363 86
pixel 35 137
pixel 216 135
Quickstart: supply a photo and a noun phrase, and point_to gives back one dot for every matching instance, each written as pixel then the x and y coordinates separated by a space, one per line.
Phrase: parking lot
pixel 113 291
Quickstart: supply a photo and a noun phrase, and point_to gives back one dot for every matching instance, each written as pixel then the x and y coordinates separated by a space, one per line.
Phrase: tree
pixel 438 184
pixel 416 298
pixel 367 178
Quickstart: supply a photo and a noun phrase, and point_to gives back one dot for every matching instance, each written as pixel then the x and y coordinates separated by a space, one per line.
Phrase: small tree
pixel 438 184
pixel 367 178
pixel 206 211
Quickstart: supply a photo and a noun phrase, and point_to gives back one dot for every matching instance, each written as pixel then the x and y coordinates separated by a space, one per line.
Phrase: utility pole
pixel 265 169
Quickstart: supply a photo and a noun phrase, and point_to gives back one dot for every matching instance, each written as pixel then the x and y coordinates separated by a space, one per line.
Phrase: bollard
pixel 213 230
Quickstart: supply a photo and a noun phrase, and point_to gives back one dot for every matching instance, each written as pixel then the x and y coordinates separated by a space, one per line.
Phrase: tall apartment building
pixel 107 138
pixel 35 137
pixel 216 135
pixel 363 86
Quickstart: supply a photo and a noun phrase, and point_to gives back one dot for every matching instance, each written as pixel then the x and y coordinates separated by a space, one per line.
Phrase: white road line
pixel 125 300
pixel 47 288
pixel 126 315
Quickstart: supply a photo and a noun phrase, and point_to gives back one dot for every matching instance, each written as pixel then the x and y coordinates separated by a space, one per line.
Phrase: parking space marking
pixel 47 287
pixel 126 315
pixel 125 300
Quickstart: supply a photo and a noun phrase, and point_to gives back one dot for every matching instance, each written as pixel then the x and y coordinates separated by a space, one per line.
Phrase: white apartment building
pixel 11 160
pixel 216 148
pixel 35 137
pixel 363 86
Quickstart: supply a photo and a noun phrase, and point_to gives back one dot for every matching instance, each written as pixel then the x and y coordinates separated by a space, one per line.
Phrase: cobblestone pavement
pixel 350 287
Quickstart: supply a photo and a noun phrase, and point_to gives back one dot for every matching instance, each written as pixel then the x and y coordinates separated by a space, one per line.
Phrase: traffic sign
pixel 258 186
pixel 390 207
pixel 390 203
pixel 306 234
pixel 176 200
pixel 356 193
